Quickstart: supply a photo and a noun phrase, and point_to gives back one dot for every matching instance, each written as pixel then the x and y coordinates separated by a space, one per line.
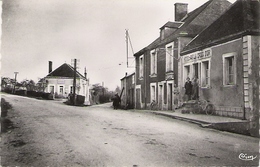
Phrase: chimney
pixel 181 10
pixel 85 73
pixel 50 66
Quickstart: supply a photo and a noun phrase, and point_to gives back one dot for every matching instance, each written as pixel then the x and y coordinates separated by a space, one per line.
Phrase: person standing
pixel 116 101
pixel 195 89
pixel 188 89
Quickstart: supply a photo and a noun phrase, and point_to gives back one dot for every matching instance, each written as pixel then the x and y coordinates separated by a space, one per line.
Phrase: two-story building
pixel 128 91
pixel 60 82
pixel 157 64
pixel 225 59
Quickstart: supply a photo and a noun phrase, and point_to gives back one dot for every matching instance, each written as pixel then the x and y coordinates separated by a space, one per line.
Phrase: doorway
pixel 170 96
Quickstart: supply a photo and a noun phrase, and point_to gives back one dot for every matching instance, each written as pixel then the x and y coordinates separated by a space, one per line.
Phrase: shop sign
pixel 197 56
pixel 60 81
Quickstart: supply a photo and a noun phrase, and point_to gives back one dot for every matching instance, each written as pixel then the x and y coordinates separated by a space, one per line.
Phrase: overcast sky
pixel 93 31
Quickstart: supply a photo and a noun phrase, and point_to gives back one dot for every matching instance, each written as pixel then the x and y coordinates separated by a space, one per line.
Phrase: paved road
pixel 49 133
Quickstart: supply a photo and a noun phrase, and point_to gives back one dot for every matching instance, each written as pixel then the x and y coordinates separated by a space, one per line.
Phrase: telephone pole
pixel 74 81
pixel 15 75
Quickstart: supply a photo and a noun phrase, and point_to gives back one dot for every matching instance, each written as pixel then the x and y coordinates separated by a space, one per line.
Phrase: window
pixel 141 67
pixel 61 90
pixel 205 74
pixel 229 69
pixel 169 57
pixel 153 62
pixel 133 79
pixel 153 91
pixel 51 89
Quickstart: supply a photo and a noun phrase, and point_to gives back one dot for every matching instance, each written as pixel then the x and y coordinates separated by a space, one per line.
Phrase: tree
pixel 29 84
pixel 7 84
pixel 100 93
pixel 41 85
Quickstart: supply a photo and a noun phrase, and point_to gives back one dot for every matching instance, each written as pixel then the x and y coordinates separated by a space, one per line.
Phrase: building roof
pixel 200 18
pixel 241 19
pixel 170 24
pixel 193 23
pixel 150 46
pixel 65 70
pixel 128 75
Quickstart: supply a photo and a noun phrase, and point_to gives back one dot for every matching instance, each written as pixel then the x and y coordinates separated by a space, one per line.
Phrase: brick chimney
pixel 50 66
pixel 181 10
pixel 85 73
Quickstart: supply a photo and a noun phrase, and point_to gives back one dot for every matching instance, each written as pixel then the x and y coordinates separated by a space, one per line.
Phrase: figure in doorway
pixel 188 89
pixel 195 89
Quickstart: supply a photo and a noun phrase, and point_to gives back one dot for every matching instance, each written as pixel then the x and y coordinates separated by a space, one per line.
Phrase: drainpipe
pixel 145 86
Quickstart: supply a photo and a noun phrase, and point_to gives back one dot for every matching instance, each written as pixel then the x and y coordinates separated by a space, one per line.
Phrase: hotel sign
pixel 197 56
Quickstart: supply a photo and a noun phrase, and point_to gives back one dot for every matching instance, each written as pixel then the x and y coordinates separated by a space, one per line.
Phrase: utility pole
pixel 126 33
pixel 74 82
pixel 15 75
pixel 127 56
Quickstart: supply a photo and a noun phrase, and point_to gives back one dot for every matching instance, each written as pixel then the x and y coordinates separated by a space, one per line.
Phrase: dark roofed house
pixel 157 64
pixel 60 82
pixel 225 59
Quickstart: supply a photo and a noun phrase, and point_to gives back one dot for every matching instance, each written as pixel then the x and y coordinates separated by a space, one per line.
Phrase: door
pixel 170 96
pixel 160 97
pixel 138 98
pixel 196 70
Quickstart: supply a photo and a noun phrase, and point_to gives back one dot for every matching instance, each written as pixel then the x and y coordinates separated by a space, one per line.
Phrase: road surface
pixel 50 133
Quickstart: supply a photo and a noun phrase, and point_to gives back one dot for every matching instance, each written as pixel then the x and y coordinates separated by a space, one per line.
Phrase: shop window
pixel 205 74
pixel 229 69
pixel 153 62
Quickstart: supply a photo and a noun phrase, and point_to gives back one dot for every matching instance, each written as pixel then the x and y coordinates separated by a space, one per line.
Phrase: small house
pixel 60 82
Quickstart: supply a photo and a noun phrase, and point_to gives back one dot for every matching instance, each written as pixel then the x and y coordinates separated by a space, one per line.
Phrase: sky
pixel 35 32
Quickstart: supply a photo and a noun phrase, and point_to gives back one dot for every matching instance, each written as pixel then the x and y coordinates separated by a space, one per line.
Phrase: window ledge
pixel 234 85
pixel 205 87
pixel 141 78
pixel 153 75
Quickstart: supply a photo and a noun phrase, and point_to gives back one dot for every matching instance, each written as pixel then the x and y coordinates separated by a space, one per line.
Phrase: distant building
pixel 60 82
pixel 225 59
pixel 128 90
pixel 157 64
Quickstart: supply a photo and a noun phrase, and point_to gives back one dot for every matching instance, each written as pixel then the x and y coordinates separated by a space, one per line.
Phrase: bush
pixel 5 106
pixel 7 90
pixel 104 98
pixel 20 92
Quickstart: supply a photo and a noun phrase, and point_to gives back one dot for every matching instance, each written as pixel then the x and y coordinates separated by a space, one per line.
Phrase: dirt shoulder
pixel 14 138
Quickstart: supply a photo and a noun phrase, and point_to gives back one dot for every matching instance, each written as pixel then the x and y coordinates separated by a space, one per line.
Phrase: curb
pixel 201 123
pixel 233 127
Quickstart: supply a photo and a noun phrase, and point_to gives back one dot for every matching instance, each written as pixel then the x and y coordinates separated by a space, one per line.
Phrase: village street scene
pixel 75 92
